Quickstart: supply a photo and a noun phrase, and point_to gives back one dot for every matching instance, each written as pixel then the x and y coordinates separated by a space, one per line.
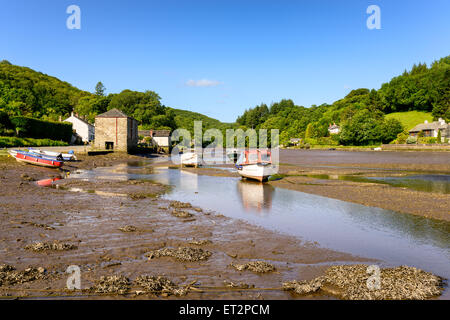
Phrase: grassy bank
pixel 410 119
pixel 10 142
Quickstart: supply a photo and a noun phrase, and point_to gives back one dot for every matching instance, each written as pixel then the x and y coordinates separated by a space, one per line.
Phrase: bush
pixel 428 140
pixel 10 142
pixel 5 124
pixel 401 138
pixel 411 140
pixel 39 129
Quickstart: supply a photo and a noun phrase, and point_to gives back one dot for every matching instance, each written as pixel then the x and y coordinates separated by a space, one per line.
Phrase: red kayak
pixel 36 159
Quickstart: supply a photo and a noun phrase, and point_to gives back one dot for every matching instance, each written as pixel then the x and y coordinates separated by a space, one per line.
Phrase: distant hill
pixel 411 119
pixel 185 119
pixel 26 92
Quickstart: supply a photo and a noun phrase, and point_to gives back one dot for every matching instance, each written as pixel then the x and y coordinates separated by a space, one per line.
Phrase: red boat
pixel 35 159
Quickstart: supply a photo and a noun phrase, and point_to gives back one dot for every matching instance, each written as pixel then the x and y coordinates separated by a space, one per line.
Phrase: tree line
pixel 360 114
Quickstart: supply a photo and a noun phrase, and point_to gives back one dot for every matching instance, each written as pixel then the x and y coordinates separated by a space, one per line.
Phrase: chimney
pixel 151 133
pixel 71 114
pixel 60 119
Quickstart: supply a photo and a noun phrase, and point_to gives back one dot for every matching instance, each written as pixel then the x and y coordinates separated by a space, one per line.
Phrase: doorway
pixel 109 145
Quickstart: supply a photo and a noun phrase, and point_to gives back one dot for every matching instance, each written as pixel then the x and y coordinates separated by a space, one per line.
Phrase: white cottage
pixel 82 128
pixel 334 129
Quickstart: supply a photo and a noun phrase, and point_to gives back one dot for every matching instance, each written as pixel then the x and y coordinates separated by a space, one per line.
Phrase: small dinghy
pixel 50 154
pixel 256 165
pixel 190 159
pixel 35 159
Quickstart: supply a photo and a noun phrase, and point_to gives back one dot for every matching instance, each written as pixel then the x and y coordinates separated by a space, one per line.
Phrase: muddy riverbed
pixel 113 223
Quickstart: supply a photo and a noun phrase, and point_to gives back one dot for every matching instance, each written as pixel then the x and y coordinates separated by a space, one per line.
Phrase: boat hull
pixel 257 172
pixel 190 160
pixel 38 161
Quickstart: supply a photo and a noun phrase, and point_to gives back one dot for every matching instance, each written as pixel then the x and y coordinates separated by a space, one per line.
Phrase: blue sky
pixel 221 57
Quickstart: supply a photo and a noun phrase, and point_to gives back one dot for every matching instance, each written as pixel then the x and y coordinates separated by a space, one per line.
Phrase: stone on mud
pixel 160 285
pixel 128 229
pixel 112 285
pixel 50 246
pixel 181 254
pixel 181 214
pixel 255 266
pixel 180 205
pixel 9 275
pixel 401 283
pixel 304 287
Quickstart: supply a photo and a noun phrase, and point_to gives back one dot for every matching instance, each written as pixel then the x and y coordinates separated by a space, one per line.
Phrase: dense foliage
pixel 39 129
pixel 361 114
pixel 9 142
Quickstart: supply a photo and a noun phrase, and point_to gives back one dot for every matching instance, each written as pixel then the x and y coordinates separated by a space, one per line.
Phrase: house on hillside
pixel 82 128
pixel 114 130
pixel 334 129
pixel 432 129
pixel 295 141
pixel 159 138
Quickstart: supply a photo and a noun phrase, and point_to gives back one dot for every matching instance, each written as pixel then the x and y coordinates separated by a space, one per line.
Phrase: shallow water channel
pixel 394 238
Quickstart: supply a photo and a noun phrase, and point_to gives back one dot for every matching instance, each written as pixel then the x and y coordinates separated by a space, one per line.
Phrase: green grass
pixel 10 142
pixel 411 119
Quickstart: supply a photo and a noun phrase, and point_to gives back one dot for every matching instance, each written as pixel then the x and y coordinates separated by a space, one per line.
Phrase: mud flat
pixel 302 171
pixel 129 243
pixel 92 225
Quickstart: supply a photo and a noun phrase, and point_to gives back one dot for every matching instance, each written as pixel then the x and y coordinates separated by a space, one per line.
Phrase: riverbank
pixel 328 173
pixel 86 218
pixel 121 227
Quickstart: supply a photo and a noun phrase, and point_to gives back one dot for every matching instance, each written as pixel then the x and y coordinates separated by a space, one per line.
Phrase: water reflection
pixel 255 196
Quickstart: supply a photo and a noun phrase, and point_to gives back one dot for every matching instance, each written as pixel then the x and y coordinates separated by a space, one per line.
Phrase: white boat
pixel 13 153
pixel 190 159
pixel 256 165
pixel 66 156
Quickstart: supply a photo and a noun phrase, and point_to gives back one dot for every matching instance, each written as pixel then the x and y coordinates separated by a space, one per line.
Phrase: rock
pixel 182 254
pixel 401 283
pixel 112 285
pixel 255 266
pixel 128 229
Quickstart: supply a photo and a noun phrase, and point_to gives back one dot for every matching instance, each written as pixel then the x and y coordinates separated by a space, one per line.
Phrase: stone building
pixel 114 130
pixel 432 129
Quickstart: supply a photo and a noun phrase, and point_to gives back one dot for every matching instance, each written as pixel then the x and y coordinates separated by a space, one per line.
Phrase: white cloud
pixel 203 83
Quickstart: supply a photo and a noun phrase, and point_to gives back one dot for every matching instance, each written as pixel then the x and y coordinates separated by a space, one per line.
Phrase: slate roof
pixel 161 133
pixel 430 126
pixel 82 120
pixel 113 113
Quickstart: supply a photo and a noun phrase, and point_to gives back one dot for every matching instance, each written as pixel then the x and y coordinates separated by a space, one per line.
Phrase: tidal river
pixel 391 237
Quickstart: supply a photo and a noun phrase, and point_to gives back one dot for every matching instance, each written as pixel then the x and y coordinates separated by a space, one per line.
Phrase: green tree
pixel 309 133
pixel 363 128
pixel 390 129
pixel 100 89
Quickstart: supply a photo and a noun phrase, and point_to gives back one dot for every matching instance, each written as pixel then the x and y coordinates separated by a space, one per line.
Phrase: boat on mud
pixel 190 159
pixel 32 158
pixel 56 155
pixel 256 165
